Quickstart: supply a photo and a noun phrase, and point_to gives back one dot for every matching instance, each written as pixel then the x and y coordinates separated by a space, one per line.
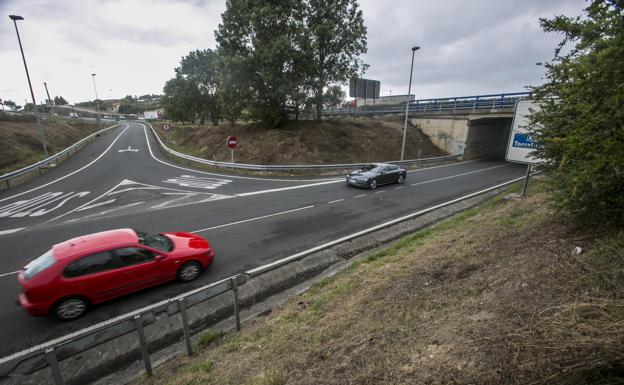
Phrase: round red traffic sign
pixel 231 141
pixel 166 127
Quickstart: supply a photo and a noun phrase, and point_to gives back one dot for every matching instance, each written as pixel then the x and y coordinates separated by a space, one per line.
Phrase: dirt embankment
pixel 21 145
pixel 306 142
pixel 492 296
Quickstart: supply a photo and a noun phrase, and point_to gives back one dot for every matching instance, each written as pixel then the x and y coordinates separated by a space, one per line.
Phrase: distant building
pixel 153 114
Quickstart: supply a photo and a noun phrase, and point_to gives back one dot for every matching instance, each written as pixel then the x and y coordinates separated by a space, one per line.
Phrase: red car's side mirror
pixel 159 257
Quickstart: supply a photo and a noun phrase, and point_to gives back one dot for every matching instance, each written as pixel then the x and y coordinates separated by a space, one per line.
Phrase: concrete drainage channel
pixel 100 351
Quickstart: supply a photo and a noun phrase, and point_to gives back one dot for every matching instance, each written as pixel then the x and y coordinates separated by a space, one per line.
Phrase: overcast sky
pixel 468 47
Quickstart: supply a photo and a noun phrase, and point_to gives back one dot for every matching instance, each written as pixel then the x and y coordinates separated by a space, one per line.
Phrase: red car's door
pixel 141 268
pixel 96 276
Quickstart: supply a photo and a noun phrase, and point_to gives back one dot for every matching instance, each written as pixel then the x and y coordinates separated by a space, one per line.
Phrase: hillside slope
pixel 21 145
pixel 492 296
pixel 305 142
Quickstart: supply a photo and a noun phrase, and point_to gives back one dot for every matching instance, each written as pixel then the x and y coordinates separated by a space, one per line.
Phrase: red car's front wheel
pixel 189 271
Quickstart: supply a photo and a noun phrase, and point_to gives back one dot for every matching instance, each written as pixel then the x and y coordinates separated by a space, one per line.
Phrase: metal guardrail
pixel 262 167
pixel 6 178
pixel 50 353
pixel 453 104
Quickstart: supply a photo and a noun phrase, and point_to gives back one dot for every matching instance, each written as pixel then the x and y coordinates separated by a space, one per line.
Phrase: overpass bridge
pixel 475 126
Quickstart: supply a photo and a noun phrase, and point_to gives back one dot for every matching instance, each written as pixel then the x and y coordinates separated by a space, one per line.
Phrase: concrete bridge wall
pixel 474 136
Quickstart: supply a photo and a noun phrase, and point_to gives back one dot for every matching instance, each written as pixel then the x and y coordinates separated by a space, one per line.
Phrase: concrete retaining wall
pixel 474 136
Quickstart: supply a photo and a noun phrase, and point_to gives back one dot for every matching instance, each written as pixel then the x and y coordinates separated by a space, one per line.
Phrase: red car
pixel 94 268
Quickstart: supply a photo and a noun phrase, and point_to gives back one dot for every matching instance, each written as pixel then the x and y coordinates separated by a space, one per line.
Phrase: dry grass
pixel 305 142
pixel 21 145
pixel 492 296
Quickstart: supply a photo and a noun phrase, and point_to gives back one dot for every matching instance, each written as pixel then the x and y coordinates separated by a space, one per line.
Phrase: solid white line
pixel 7 274
pixel 287 188
pixel 336 201
pixel 72 173
pixel 253 219
pixel 359 196
pixel 374 228
pixel 11 231
pixel 462 174
pixel 97 205
pixel 149 147
pixel 446 165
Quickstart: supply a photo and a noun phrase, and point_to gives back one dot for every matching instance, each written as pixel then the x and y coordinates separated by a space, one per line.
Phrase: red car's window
pixel 134 255
pixel 90 264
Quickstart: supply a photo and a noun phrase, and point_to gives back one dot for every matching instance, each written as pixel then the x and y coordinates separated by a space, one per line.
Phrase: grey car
pixel 376 174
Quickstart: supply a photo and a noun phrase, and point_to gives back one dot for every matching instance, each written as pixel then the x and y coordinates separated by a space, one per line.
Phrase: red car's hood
pixel 185 242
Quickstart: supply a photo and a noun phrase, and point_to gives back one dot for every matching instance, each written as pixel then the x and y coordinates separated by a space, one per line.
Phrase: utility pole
pixel 32 94
pixel 49 100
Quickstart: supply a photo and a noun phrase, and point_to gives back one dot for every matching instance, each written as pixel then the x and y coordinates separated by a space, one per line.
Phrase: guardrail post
pixel 235 299
pixel 185 327
pixel 8 184
pixel 138 323
pixel 50 357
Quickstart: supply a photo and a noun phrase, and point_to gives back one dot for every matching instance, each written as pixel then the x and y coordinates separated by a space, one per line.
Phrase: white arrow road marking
pixel 11 231
pixel 198 182
pixel 35 207
pixel 129 149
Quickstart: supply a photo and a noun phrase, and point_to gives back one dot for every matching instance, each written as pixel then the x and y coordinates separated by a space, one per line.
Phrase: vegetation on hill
pixel 273 60
pixel 495 295
pixel 582 117
pixel 21 145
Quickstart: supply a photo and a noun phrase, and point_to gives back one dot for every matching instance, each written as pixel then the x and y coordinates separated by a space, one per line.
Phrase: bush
pixel 582 116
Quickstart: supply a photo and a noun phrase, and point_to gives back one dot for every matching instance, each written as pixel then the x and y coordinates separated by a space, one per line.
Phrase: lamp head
pixel 416 48
pixel 15 17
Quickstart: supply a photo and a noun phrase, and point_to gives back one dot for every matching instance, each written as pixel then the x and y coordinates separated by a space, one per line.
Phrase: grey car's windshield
pixel 157 241
pixel 371 168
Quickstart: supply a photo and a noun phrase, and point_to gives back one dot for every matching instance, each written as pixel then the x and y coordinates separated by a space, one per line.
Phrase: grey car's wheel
pixel 401 179
pixel 372 184
pixel 70 309
pixel 189 271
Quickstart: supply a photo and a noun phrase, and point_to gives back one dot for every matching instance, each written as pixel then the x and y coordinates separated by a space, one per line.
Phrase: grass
pixel 490 296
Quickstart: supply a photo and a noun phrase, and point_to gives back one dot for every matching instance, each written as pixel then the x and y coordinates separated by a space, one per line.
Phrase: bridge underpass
pixel 473 135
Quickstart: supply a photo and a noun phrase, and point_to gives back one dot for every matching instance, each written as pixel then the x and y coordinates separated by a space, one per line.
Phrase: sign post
pixel 231 142
pixel 521 144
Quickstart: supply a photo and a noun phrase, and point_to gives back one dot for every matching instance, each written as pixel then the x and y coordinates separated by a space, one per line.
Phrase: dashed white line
pixel 253 219
pixel 379 192
pixel 11 231
pixel 7 274
pixel 336 201
pixel 359 196
pixel 398 188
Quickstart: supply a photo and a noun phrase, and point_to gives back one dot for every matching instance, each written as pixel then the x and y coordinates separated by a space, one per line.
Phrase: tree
pixel 334 97
pixel 11 104
pixel 337 37
pixel 581 117
pixel 261 37
pixel 60 101
pixel 179 99
pixel 201 68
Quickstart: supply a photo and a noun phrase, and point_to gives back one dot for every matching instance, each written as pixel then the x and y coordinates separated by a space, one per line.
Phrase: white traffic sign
pixel 521 143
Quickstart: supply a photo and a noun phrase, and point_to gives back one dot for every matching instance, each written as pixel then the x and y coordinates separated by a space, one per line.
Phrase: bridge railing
pixel 453 104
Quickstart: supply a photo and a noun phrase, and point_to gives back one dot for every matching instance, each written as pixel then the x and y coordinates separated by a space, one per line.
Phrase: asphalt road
pixel 123 180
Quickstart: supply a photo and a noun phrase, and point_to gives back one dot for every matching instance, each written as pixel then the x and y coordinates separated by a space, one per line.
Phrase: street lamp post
pixel 49 100
pixel 97 103
pixel 15 18
pixel 409 90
